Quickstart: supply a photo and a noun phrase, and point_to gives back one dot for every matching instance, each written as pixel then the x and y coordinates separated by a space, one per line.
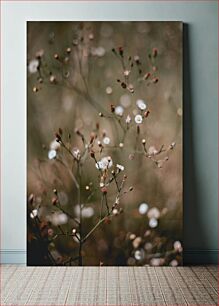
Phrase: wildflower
pixel 138 119
pixel 128 119
pixel 119 110
pixel 104 163
pixel 121 145
pixel 106 140
pixel 52 154
pixel 34 213
pixel 58 218
pixel 143 208
pixel 33 66
pixel 120 167
pixel 141 104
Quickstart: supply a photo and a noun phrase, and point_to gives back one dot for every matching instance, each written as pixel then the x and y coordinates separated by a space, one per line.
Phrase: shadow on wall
pixel 192 225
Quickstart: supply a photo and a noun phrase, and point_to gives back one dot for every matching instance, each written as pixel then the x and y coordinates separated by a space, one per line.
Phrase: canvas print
pixel 104 143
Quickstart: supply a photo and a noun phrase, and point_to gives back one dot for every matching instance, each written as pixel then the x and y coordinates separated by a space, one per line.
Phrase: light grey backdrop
pixel 200 111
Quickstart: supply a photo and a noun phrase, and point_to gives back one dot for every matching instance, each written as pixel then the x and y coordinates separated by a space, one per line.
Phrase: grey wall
pixel 200 112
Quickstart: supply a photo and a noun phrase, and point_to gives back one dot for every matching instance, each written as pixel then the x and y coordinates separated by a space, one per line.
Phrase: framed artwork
pixel 104 143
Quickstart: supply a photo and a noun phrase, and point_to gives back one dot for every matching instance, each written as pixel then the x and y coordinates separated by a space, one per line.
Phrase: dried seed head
pixel 112 108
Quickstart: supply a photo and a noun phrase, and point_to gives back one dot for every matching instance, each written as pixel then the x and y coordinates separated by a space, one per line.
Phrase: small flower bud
pixel 143 141
pixel 100 115
pixel 55 191
pixel 121 145
pixel 56 56
pixel 131 188
pixel 154 52
pixel 92 154
pixel 146 76
pixel 112 108
pixel 54 200
pixel 35 89
pixel 146 113
pixel 68 50
pixel 87 187
pixel 104 190
pixel 155 80
pixel 74 231
pixel 123 85
pixel 121 51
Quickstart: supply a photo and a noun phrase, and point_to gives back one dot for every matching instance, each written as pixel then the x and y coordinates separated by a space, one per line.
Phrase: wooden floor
pixel 108 286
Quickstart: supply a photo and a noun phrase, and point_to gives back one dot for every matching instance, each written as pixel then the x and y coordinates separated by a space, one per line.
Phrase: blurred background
pixel 121 83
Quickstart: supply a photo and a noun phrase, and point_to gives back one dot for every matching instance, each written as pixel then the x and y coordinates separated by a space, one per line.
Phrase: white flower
pixel 141 104
pixel 143 208
pixel 153 222
pixel 106 140
pixel 33 213
pixel 104 163
pixel 153 213
pixel 52 154
pixel 138 119
pixel 54 145
pixel 119 110
pixel 128 119
pixel 120 167
pixel 33 66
